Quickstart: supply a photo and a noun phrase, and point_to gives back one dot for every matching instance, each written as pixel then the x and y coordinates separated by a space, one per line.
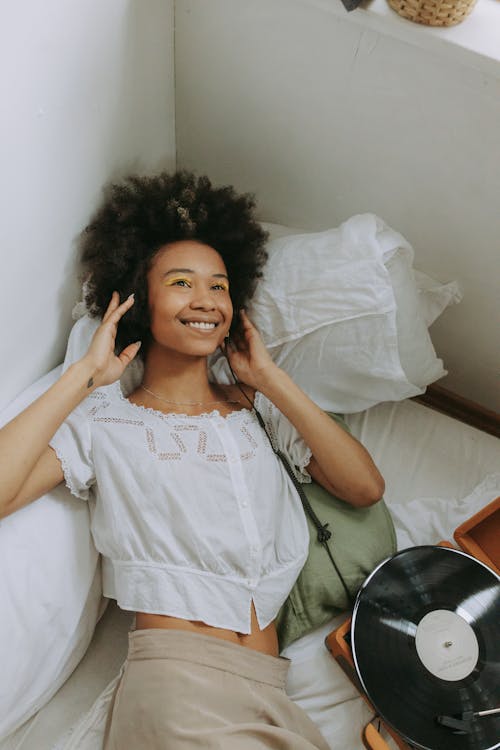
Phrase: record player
pixel 423 642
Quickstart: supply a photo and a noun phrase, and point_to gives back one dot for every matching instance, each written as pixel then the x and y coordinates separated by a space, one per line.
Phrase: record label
pixel 447 645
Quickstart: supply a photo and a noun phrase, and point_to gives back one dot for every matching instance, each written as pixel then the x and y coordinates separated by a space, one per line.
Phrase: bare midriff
pixel 265 641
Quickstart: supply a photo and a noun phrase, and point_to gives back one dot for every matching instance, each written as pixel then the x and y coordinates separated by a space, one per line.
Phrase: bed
pixel 438 472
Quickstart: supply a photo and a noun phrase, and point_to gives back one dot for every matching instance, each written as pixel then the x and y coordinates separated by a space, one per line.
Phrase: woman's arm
pixel 339 462
pixel 28 466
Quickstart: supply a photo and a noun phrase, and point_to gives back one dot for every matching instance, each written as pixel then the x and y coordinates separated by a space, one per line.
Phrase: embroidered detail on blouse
pixel 202 442
pixel 150 439
pixel 119 420
pixel 246 433
pixel 98 407
pixel 165 455
pixel 97 394
pixel 202 446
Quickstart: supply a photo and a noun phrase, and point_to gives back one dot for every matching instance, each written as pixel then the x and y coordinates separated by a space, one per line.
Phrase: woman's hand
pixel 106 365
pixel 248 356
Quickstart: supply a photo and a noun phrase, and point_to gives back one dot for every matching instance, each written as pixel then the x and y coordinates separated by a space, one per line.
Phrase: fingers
pixel 115 311
pixel 128 354
pixel 113 304
pixel 229 347
pixel 246 322
pixel 237 342
pixel 250 332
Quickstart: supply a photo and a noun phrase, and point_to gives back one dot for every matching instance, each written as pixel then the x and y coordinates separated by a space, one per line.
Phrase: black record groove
pixel 409 696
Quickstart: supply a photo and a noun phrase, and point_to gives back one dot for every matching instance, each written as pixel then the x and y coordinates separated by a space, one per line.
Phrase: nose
pixel 202 300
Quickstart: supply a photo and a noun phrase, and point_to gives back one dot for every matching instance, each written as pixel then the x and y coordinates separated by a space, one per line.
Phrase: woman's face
pixel 189 302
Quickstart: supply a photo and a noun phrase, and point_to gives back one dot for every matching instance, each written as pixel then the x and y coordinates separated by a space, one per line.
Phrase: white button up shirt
pixel 194 515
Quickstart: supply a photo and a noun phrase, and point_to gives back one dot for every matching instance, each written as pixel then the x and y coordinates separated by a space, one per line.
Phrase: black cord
pixel 323 534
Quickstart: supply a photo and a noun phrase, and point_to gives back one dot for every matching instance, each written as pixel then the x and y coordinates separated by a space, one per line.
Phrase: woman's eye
pixel 178 282
pixel 219 287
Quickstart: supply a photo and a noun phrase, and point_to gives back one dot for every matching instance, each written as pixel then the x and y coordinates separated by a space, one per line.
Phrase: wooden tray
pixel 479 536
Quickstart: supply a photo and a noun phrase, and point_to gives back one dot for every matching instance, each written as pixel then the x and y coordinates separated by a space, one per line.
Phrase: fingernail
pixel 131 296
pixel 138 344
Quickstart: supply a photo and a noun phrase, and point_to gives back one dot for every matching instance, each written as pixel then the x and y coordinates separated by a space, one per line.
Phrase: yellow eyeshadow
pixel 174 279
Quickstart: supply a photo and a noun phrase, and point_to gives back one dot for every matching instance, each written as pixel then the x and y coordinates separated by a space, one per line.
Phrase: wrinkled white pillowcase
pixel 341 312
pixel 50 592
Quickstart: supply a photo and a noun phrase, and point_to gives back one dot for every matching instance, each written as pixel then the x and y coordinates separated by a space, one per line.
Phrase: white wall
pixel 323 119
pixel 87 94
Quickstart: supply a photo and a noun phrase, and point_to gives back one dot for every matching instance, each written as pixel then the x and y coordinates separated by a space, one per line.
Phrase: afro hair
pixel 141 215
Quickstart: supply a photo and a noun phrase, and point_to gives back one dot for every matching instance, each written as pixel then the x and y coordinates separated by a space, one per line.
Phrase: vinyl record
pixel 425 639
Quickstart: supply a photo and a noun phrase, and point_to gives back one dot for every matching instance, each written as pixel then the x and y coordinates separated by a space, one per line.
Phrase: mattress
pixel 438 472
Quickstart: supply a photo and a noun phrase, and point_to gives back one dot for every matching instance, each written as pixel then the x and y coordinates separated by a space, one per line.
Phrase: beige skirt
pixel 182 690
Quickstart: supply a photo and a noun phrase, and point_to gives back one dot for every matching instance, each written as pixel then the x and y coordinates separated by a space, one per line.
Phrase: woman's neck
pixel 179 378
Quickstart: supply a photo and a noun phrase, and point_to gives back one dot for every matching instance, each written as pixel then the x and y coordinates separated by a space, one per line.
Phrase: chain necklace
pixel 188 403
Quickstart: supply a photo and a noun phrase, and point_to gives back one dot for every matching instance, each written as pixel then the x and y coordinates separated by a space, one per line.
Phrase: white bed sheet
pixel 438 472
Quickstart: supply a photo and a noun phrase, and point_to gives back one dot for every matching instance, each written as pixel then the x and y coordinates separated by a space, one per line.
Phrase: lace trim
pixel 300 470
pixel 169 416
pixel 266 408
pixel 68 480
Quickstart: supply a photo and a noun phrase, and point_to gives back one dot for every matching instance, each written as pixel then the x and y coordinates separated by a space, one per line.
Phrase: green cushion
pixel 361 538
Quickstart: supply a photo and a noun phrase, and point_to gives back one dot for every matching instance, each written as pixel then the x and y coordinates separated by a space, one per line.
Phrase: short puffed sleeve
pixel 73 446
pixel 285 437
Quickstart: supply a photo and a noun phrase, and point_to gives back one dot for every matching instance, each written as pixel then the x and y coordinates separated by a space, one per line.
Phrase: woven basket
pixel 433 12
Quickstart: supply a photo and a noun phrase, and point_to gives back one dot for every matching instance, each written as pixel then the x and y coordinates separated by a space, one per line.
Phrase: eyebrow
pixel 190 270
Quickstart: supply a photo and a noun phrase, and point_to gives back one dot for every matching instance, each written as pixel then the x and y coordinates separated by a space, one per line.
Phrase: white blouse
pixel 195 516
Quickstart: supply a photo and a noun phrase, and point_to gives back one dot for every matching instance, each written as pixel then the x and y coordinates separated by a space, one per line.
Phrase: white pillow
pixel 50 592
pixel 342 313
pixel 433 295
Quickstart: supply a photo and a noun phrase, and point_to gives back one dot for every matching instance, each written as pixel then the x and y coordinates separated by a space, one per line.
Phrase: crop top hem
pixel 178 592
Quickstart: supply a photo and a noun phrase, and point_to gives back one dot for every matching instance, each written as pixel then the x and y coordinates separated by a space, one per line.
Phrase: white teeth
pixel 206 326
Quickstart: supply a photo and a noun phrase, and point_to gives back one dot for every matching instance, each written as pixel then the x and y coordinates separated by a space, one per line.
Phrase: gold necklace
pixel 188 403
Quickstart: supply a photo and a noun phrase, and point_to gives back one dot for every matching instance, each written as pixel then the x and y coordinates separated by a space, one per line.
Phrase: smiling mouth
pixel 200 325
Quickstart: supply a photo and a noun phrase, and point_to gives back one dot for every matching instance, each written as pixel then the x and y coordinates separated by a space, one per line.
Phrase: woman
pixel 200 527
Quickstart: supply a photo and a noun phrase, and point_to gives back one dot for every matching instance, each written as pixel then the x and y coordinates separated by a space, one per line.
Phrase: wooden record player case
pixel 479 536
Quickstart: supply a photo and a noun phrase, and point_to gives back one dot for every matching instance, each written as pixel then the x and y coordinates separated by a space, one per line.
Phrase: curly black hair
pixel 143 214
